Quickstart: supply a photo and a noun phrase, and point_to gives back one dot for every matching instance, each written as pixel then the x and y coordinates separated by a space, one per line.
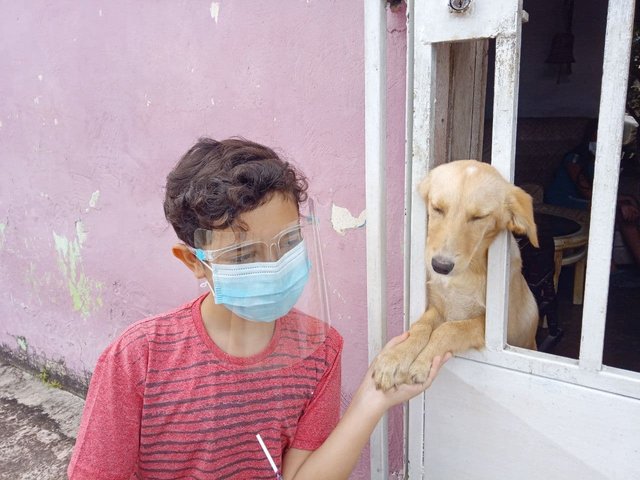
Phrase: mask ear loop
pixel 200 255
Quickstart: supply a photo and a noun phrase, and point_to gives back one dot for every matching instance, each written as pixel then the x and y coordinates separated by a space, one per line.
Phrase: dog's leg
pixel 392 368
pixel 455 337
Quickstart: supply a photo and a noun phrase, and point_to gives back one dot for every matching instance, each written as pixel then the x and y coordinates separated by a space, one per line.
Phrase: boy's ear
pixel 520 214
pixel 186 256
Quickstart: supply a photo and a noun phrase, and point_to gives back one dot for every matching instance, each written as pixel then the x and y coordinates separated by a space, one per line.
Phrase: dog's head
pixel 469 203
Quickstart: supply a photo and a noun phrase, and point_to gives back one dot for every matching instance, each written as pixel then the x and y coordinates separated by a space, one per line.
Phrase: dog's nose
pixel 442 265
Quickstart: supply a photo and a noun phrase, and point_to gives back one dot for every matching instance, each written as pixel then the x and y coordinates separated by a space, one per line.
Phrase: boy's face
pixel 268 220
pixel 262 225
pixel 269 231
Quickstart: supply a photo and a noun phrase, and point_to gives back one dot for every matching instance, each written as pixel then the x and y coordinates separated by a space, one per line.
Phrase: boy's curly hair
pixel 217 181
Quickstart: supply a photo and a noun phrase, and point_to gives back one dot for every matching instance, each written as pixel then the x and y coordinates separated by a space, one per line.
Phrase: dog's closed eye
pixel 478 216
pixel 437 209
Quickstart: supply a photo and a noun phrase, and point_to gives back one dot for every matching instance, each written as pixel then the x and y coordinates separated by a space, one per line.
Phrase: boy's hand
pixel 401 393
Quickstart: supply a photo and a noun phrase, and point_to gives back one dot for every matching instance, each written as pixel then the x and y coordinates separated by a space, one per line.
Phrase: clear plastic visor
pixel 302 330
pixel 228 247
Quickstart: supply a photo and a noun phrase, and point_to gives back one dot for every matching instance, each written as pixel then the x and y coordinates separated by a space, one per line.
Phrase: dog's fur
pixel 469 203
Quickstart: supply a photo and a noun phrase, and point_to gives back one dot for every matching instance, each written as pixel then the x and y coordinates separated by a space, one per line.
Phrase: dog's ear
pixel 423 188
pixel 520 210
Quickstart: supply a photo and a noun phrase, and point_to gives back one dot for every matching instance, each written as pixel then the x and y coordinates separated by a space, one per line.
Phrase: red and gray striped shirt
pixel 166 403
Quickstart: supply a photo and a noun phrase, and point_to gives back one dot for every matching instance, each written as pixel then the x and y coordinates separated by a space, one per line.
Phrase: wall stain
pixel 94 199
pixel 37 280
pixel 215 10
pixel 85 292
pixel 22 343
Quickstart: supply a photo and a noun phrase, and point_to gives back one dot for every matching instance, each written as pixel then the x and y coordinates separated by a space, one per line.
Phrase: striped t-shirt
pixel 166 403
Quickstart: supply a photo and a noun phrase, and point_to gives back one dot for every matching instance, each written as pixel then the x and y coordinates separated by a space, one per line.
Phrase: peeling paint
pixel 85 292
pixel 22 343
pixel 81 232
pixel 215 10
pixel 94 199
pixel 342 219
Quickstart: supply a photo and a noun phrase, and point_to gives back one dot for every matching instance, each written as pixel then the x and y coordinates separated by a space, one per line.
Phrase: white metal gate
pixel 507 412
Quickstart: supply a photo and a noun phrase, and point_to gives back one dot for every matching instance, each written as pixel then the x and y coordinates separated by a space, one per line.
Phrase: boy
pixel 184 394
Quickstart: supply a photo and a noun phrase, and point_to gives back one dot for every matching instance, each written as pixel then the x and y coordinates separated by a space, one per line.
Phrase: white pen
pixel 268 455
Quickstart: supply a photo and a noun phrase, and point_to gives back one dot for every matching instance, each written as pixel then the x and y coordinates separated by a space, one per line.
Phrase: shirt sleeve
pixel 108 439
pixel 323 412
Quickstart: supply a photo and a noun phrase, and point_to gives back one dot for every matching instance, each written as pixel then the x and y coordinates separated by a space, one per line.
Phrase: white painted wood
pixel 610 125
pixel 408 189
pixel 497 310
pixel 488 423
pixel 431 142
pixel 503 150
pixel 507 412
pixel 505 103
pixel 375 174
pixel 422 160
pixel 561 369
pixel 408 174
pixel 483 19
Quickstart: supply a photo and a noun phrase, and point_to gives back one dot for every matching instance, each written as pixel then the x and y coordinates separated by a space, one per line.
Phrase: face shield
pixel 276 279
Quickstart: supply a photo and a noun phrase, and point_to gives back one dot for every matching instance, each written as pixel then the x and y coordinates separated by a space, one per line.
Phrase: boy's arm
pixel 338 455
pixel 109 434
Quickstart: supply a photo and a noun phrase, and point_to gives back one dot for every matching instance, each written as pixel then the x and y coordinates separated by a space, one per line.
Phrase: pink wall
pixel 97 102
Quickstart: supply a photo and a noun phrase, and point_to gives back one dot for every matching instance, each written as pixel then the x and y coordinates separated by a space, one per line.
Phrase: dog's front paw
pixel 391 369
pixel 419 370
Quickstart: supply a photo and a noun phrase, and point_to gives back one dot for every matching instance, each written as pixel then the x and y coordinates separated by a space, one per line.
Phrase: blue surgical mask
pixel 262 291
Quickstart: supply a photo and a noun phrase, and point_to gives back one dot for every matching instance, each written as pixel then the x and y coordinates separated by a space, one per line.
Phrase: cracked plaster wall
pixel 97 103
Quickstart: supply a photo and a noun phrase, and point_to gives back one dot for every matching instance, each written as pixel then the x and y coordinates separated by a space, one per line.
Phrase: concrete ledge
pixel 38 426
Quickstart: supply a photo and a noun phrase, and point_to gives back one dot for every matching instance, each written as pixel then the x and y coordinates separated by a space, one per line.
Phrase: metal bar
pixel 615 74
pixel 375 160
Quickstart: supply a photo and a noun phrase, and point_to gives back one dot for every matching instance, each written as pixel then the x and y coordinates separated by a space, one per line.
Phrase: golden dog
pixel 468 204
